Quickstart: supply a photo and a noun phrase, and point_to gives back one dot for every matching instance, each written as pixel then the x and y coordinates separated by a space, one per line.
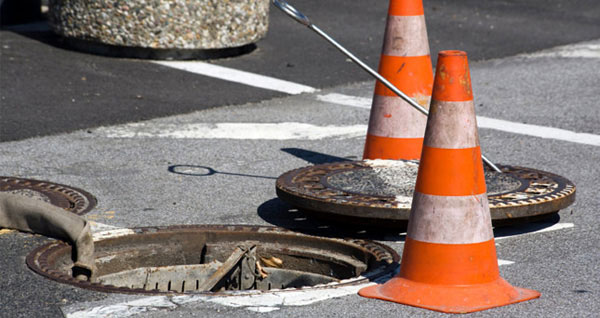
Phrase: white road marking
pixel 304 131
pixel 347 100
pixel 524 230
pixel 487 123
pixel 237 76
pixel 111 234
pixel 502 262
pixel 102 231
pixel 579 50
pixel 538 131
pixel 256 302
pixel 266 131
pixel 263 302
pixel 126 309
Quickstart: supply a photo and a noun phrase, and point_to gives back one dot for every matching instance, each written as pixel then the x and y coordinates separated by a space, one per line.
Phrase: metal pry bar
pixel 302 19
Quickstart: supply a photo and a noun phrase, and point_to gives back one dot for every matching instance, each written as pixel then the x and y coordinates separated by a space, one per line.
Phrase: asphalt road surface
pixel 42 91
pixel 66 117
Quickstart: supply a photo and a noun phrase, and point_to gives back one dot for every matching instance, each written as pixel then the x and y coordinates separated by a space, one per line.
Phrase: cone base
pixel 449 299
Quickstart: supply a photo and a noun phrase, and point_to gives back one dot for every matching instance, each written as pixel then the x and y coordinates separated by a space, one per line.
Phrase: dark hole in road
pixel 219 259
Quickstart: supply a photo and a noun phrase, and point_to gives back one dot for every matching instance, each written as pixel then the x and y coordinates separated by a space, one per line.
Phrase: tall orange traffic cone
pixel 449 261
pixel 395 128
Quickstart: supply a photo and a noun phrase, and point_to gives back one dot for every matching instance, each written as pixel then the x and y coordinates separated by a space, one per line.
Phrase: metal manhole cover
pixel 219 259
pixel 69 198
pixel 379 192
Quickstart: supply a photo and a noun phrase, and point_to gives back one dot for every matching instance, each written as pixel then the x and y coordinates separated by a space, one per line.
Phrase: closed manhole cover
pixel 219 259
pixel 69 198
pixel 379 192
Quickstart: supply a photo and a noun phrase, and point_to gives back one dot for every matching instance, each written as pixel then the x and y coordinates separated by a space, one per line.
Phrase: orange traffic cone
pixel 449 261
pixel 395 128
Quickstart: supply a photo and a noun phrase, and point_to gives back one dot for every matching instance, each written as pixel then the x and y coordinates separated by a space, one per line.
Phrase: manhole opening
pixel 219 259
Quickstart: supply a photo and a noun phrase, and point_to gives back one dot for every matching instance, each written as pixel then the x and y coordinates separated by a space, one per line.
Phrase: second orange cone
pixel 395 128
pixel 449 262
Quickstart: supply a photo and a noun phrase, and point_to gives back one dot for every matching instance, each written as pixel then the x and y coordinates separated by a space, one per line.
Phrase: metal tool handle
pixel 302 19
pixel 292 12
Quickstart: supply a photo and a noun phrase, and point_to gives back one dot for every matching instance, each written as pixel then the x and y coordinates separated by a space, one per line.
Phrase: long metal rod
pixel 370 70
pixel 301 18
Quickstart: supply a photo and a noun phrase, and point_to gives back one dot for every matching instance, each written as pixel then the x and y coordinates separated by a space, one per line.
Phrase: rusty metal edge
pixel 36 259
pixel 88 196
pixel 377 215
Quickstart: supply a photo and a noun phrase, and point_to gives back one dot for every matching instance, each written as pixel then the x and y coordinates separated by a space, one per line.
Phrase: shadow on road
pixel 204 171
pixel 279 213
pixel 314 157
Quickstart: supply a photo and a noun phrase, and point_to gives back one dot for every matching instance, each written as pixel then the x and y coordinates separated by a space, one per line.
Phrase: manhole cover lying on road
pixel 66 197
pixel 379 192
pixel 219 259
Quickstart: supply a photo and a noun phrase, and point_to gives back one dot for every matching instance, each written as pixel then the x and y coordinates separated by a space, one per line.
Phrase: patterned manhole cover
pixel 379 192
pixel 219 259
pixel 67 197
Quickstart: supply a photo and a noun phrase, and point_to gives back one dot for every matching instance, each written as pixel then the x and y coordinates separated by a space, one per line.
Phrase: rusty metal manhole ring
pixel 179 259
pixel 379 192
pixel 69 198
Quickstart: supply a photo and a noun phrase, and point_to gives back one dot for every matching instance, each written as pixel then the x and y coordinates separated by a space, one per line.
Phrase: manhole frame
pixel 38 260
pixel 58 194
pixel 313 195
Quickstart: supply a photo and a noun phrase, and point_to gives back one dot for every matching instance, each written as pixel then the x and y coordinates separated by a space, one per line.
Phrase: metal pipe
pixel 302 19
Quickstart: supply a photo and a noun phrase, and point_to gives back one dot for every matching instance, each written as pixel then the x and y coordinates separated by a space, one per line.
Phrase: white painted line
pixel 487 123
pixel 266 131
pixel 519 231
pixel 538 131
pixel 502 262
pixel 347 100
pixel 126 309
pixel 256 302
pixel 111 234
pixel 96 227
pixel 286 298
pixel 579 50
pixel 237 76
pixel 524 230
pixel 102 231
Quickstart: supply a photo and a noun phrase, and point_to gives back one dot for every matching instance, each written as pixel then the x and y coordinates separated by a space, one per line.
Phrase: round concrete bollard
pixel 161 29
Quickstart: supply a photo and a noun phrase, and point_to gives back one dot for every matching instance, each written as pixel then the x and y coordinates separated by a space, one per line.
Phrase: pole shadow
pixel 205 171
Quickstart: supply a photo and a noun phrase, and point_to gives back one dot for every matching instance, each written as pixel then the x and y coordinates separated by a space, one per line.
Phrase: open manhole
pixel 219 259
pixel 69 198
pixel 379 192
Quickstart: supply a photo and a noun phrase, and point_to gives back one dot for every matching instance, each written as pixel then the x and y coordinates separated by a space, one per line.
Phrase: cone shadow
pixel 279 213
pixel 313 156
